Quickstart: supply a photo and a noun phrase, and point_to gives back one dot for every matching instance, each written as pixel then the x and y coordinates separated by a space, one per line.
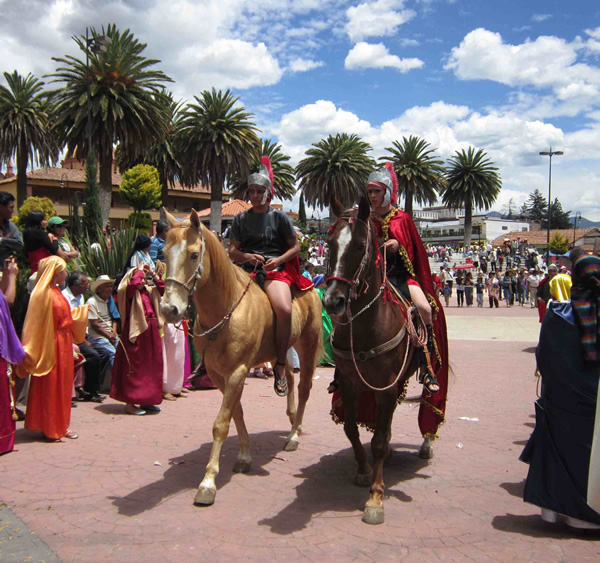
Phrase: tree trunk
pixel 22 159
pixel 216 205
pixel 408 203
pixel 164 190
pixel 468 224
pixel 105 191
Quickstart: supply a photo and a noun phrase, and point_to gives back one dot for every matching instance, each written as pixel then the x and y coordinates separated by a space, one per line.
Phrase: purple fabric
pixel 10 346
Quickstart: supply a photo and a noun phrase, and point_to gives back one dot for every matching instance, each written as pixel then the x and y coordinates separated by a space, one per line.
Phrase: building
pixel 588 239
pixel 65 186
pixel 448 227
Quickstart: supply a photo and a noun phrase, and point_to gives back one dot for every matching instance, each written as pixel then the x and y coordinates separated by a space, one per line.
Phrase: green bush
pixel 110 258
pixel 140 187
pixel 35 204
pixel 142 222
pixel 559 244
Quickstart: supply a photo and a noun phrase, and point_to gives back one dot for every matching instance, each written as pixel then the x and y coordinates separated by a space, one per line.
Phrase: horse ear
pixel 336 207
pixel 364 209
pixel 195 221
pixel 170 219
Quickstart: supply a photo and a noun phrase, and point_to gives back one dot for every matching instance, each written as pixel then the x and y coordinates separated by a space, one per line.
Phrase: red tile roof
pixel 75 175
pixel 230 209
pixel 537 238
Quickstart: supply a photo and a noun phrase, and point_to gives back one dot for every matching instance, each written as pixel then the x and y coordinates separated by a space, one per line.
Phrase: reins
pixel 415 335
pixel 211 333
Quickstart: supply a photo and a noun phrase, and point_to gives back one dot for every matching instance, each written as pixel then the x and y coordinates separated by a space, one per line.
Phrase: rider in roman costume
pixel 263 241
pixel 408 270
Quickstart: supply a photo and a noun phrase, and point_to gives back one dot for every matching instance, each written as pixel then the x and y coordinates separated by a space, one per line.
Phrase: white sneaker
pixel 549 516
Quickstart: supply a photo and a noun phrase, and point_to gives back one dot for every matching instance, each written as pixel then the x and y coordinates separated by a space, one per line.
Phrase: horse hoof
pixel 426 451
pixel 242 466
pixel 291 446
pixel 205 496
pixel 373 516
pixel 363 479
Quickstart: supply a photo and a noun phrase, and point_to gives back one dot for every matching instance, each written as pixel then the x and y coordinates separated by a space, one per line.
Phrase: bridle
pixel 407 328
pixel 356 278
pixel 190 286
pixel 196 274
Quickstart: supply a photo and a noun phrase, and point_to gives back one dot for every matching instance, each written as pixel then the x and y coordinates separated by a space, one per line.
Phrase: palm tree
pixel 471 180
pixel 282 171
pixel 123 98
pixel 337 166
pixel 25 130
pixel 420 175
pixel 161 154
pixel 216 141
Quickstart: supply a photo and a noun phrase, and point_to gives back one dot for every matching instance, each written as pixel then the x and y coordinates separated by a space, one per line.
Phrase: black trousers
pixel 95 366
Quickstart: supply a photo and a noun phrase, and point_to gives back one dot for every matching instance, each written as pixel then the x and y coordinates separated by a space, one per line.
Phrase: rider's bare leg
pixel 418 298
pixel 280 296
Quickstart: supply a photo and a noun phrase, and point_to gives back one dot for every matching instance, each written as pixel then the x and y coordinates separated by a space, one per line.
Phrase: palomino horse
pixel 372 353
pixel 235 329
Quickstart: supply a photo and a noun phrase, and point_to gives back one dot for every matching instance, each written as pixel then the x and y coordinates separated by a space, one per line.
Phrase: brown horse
pixel 235 329
pixel 371 344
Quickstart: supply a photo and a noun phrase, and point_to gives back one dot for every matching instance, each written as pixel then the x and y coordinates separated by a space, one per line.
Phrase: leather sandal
pixel 430 379
pixel 280 384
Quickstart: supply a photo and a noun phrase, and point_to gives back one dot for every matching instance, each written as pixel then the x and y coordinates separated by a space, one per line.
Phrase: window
pixel 505 227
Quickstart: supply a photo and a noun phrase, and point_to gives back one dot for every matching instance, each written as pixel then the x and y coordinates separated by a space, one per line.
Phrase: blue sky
pixel 510 77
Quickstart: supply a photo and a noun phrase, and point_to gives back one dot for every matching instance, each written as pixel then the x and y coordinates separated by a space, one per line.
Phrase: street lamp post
pixel 549 154
pixel 577 215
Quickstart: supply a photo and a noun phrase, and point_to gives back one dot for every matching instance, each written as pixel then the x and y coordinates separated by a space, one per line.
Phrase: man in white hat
pixel 102 326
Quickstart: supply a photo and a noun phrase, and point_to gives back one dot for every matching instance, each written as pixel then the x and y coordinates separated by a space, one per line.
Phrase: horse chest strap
pixel 364 355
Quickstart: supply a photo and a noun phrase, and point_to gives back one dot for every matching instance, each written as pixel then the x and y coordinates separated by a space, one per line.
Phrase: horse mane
pixel 225 273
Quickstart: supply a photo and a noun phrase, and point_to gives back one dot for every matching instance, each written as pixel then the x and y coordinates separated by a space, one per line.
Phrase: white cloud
pixel 303 65
pixel 300 128
pixel 547 62
pixel 367 55
pixel 376 19
pixel 230 63
pixel 539 18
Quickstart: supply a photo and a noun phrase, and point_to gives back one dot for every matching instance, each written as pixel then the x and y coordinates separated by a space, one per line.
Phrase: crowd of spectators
pixel 83 336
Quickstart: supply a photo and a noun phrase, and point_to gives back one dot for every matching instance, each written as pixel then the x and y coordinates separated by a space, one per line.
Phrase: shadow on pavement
pixel 530 350
pixel 514 489
pixel 328 486
pixel 533 526
pixel 186 471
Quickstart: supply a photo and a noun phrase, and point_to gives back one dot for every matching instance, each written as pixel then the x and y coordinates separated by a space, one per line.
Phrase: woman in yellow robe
pixel 48 332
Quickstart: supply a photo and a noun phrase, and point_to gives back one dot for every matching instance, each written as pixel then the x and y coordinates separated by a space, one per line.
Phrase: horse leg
pixel 291 397
pixel 351 399
pixel 386 404
pixel 426 451
pixel 244 460
pixel 207 491
pixel 307 369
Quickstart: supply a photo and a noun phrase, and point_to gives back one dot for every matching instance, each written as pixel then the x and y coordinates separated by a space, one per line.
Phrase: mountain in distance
pixel 584 223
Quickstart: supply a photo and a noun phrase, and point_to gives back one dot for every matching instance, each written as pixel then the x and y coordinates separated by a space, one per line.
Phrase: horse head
pixel 186 266
pixel 350 256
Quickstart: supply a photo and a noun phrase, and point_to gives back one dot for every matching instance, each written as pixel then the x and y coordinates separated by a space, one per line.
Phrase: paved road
pixel 124 490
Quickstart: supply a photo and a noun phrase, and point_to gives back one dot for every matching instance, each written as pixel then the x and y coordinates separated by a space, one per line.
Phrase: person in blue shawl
pixel 558 451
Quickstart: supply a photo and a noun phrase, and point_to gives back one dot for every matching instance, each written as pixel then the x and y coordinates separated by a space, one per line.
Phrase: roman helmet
pixel 264 178
pixel 386 178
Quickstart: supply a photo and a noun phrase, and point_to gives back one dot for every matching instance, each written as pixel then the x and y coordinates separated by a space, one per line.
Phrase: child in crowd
pixel 447 292
pixel 479 285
